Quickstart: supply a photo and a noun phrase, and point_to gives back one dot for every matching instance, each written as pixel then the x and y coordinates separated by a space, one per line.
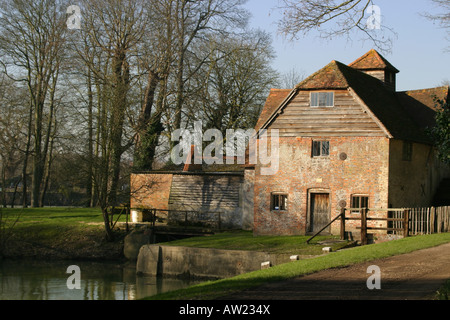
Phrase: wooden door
pixel 319 211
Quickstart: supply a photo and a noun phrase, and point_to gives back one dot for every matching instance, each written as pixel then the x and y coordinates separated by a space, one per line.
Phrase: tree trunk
pixel 109 233
pixel 3 184
pixel 145 125
pixel 90 164
pixel 122 78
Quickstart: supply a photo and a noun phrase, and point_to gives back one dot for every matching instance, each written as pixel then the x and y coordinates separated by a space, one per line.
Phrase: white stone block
pixel 327 249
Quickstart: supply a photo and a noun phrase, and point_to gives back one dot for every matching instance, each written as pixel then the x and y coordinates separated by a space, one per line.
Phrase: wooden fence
pixel 396 221
pixel 426 220
pixel 403 221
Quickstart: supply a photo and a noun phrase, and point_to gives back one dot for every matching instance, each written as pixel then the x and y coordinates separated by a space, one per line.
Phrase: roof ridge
pixel 424 89
pixel 334 67
pixel 279 89
pixel 384 63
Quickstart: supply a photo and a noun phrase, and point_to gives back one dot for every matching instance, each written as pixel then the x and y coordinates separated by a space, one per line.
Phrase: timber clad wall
pixel 207 194
pixel 346 118
pixel 210 195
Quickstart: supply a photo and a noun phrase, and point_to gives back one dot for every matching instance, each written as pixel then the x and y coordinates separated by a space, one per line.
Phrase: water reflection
pixel 47 280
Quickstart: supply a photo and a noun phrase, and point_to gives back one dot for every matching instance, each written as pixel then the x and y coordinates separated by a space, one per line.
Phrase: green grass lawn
pixel 34 230
pixel 52 224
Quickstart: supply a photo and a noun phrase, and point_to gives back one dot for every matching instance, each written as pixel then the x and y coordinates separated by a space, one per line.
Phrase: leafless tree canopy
pixel 443 17
pixel 89 94
pixel 333 19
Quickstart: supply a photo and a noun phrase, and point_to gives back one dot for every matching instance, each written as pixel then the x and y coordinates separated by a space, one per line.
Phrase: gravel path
pixel 413 276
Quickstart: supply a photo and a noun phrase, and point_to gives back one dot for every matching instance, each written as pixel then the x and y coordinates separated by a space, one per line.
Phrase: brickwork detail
pixel 363 170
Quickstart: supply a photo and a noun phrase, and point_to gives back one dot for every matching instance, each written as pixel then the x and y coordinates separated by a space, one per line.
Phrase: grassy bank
pixel 216 289
pixel 244 240
pixel 58 233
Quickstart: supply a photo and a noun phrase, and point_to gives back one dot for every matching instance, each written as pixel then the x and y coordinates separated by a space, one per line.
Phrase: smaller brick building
pixel 346 137
pixel 217 194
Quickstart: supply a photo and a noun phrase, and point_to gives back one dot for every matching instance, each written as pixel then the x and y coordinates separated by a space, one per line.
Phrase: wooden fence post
pixel 405 223
pixel 126 217
pixel 153 214
pixel 432 220
pixel 364 226
pixel 342 223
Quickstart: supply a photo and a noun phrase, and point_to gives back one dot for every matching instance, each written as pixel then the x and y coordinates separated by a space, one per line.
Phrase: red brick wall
pixel 365 171
pixel 150 190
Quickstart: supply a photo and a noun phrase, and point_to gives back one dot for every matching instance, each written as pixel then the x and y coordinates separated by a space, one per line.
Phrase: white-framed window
pixel 322 99
pixel 320 149
pixel 278 201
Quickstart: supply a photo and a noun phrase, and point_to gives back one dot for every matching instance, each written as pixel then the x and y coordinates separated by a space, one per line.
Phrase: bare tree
pixel 291 78
pixel 156 60
pixel 112 33
pixel 442 18
pixel 334 19
pixel 193 21
pixel 31 46
pixel 233 86
pixel 176 28
pixel 12 140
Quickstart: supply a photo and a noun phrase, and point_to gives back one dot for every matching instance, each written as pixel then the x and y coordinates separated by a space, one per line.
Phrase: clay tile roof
pixel 372 60
pixel 403 114
pixel 275 98
pixel 326 78
pixel 421 104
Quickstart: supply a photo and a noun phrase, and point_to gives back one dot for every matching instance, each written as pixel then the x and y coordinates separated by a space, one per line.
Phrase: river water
pixel 49 280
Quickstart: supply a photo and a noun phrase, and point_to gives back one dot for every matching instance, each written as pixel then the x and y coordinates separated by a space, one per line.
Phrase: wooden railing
pixel 403 221
pixel 183 217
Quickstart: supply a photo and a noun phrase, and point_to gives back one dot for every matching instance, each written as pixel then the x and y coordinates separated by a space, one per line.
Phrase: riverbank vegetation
pixel 58 233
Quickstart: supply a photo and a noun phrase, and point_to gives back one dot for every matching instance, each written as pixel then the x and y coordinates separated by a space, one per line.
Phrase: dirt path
pixel 413 276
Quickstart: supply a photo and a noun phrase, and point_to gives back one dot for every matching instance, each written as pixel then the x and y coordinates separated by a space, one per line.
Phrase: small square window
pixel 320 148
pixel 278 202
pixel 359 202
pixel 322 99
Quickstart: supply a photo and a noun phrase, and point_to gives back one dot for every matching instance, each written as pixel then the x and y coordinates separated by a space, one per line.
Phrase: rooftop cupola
pixel 377 66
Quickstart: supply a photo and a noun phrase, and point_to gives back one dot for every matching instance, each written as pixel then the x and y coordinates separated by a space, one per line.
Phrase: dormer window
pixel 322 99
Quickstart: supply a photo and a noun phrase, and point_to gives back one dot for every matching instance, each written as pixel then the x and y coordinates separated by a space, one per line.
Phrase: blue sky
pixel 418 50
